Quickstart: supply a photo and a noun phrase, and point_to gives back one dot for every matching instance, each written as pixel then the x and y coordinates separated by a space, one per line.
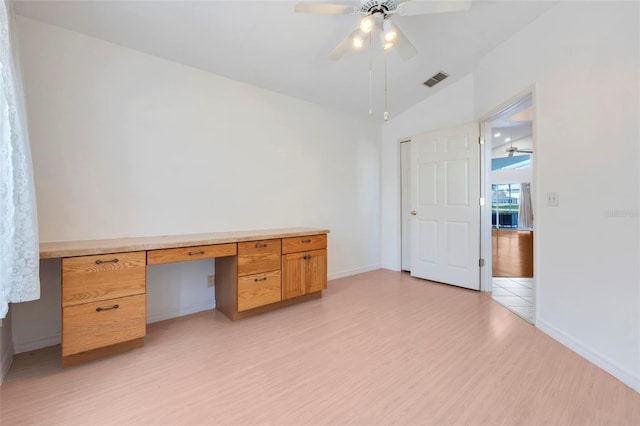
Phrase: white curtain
pixel 525 211
pixel 19 252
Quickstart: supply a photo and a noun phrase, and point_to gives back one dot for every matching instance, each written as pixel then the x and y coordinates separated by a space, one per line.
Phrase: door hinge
pixel 481 263
pixel 480 140
pixel 481 201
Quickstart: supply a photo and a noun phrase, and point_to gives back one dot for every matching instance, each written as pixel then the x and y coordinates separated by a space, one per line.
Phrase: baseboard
pixel 368 268
pixel 391 267
pixel 32 345
pixel 621 373
pixel 188 310
pixel 5 364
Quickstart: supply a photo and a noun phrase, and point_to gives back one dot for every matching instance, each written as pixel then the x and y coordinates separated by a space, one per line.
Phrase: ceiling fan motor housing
pixel 370 7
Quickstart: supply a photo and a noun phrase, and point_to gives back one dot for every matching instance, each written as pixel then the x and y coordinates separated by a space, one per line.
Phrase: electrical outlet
pixel 553 199
pixel 211 280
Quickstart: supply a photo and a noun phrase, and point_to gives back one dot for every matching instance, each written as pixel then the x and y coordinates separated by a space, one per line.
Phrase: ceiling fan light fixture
pixel 357 41
pixel 390 33
pixel 387 45
pixel 390 36
pixel 366 24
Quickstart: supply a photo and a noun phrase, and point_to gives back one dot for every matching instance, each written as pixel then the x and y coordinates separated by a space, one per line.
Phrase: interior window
pixel 505 202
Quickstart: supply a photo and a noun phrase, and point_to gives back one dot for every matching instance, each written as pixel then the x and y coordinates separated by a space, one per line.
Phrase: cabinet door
pixel 315 271
pixel 293 275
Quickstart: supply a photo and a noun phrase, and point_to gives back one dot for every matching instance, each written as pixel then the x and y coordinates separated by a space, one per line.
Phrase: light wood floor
pixel 379 348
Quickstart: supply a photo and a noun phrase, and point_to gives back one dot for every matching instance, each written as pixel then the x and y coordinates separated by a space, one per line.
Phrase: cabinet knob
pixel 260 245
pixel 196 253
pixel 257 280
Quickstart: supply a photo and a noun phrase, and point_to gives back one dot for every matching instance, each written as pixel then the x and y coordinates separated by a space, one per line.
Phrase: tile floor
pixel 515 294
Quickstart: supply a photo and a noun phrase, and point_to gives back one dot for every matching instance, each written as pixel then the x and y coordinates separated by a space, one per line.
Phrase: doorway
pixel 508 142
pixel 508 226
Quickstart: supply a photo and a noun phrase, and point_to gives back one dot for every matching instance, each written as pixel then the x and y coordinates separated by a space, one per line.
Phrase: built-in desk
pixel 103 293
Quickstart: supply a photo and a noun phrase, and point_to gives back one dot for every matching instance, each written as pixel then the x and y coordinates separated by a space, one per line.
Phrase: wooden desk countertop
pixel 50 250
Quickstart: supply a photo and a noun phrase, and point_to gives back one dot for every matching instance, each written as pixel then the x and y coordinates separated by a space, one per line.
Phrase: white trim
pixel 209 304
pixel 391 267
pixel 32 345
pixel 619 372
pixel 368 268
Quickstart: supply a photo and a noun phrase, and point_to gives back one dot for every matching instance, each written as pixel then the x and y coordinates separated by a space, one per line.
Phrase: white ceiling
pixel 266 44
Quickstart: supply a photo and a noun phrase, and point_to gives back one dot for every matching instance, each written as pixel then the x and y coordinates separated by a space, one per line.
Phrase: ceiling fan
pixel 514 149
pixel 376 15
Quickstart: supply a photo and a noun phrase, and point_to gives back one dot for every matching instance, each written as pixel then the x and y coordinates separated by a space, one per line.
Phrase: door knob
pixel 413 212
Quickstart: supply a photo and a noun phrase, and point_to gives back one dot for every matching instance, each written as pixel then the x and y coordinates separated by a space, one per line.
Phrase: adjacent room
pixel 420 212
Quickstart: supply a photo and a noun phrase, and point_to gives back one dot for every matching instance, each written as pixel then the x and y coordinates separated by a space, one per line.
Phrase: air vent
pixel 436 79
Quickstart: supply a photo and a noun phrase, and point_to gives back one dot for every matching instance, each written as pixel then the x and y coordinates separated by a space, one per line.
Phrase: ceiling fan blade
pixel 526 151
pixel 403 46
pixel 325 9
pixel 415 7
pixel 343 46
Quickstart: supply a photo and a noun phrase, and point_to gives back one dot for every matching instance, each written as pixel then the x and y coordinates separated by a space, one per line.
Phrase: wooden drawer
pixel 258 290
pixel 94 278
pixel 258 256
pixel 98 324
pixel 298 244
pixel 155 257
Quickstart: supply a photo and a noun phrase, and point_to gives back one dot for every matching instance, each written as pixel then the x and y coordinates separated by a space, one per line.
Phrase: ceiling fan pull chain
pixel 386 109
pixel 370 76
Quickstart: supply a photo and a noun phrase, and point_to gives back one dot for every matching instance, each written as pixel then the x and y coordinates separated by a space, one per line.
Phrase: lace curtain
pixel 19 251
pixel 525 213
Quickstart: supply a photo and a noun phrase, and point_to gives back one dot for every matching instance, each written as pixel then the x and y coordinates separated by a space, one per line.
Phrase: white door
pixel 445 185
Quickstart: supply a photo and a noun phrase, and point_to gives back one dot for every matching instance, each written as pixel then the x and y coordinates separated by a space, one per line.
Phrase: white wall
pixel 583 59
pixel 127 144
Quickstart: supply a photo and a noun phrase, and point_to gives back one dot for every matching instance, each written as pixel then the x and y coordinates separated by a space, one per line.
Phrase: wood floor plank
pixel 378 348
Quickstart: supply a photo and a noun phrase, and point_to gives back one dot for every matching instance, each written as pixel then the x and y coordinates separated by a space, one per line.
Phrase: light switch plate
pixel 553 199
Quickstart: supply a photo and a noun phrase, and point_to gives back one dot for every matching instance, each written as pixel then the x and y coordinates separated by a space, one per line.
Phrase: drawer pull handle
pixel 98 262
pixel 99 309
pixel 257 280
pixel 260 245
pixel 306 241
pixel 307 256
pixel 196 253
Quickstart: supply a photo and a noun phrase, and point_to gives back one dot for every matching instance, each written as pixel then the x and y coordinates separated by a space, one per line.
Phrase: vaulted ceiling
pixel 266 44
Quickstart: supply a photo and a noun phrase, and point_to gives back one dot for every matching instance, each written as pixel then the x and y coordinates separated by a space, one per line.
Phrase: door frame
pixel 405 185
pixel 485 176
